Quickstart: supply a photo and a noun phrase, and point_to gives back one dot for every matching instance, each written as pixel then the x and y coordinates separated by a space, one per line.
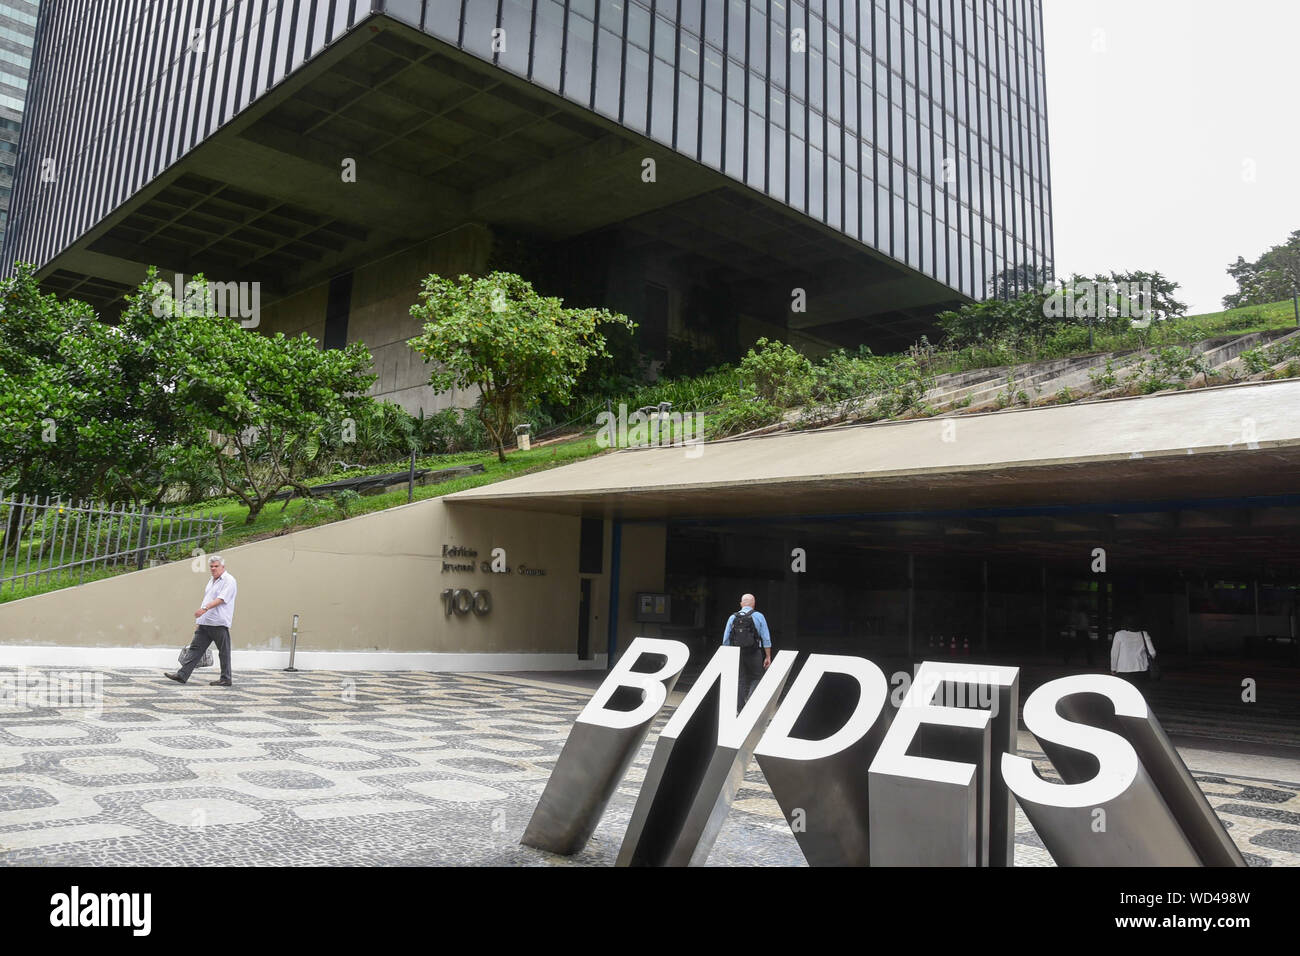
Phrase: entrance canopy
pixel 1239 442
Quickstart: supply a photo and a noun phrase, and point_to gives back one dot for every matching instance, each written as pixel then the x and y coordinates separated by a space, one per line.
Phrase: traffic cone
pixel 953 647
pixel 965 646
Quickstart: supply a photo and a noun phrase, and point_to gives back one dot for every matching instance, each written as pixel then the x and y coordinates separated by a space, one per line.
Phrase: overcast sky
pixel 1175 135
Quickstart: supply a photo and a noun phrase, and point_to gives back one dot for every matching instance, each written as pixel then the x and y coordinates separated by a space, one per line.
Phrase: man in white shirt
pixel 212 623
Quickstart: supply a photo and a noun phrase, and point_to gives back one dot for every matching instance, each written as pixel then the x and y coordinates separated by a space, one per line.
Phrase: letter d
pixel 826 776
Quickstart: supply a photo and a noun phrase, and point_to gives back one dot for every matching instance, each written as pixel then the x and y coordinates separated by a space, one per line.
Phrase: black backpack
pixel 744 633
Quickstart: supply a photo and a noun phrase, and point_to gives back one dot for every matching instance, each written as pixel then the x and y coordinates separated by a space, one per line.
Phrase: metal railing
pixel 47 543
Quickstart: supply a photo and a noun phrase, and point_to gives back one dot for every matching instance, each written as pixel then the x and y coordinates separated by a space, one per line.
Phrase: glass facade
pixel 120 91
pixel 17 36
pixel 917 127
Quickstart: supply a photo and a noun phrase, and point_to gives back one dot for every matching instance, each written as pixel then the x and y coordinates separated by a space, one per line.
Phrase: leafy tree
pixel 86 408
pixel 1116 299
pixel 777 373
pixel 1022 318
pixel 1272 277
pixel 498 335
pixel 37 390
pixel 1163 305
pixel 1096 302
pixel 139 372
pixel 269 400
pixel 92 409
pixel 1017 280
pixel 1250 285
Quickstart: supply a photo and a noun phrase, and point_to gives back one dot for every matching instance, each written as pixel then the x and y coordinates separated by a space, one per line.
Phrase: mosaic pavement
pixel 381 768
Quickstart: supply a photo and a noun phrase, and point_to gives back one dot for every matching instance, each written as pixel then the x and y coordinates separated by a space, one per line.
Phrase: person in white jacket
pixel 1131 652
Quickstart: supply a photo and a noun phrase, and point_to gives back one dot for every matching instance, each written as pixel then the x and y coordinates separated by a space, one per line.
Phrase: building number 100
pixel 462 600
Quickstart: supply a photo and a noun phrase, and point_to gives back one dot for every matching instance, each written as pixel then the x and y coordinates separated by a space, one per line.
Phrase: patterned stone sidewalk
pixel 378 768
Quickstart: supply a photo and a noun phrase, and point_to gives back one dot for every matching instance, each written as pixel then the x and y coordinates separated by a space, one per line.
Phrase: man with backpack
pixel 747 629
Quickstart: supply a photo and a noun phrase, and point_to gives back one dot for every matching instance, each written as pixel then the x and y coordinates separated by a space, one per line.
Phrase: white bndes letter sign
pixel 933 787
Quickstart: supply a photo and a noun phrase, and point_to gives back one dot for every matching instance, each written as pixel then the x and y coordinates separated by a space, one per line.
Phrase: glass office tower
pixel 918 127
pixel 911 132
pixel 17 34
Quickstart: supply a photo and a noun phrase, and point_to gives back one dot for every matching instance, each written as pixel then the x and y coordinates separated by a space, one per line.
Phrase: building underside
pixel 441 140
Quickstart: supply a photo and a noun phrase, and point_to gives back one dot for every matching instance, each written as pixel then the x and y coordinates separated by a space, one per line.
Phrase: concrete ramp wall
pixel 367 591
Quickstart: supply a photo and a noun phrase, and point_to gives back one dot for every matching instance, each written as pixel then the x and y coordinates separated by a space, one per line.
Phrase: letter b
pixel 604 739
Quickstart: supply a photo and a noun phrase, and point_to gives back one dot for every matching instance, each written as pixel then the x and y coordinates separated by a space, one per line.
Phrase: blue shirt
pixel 760 624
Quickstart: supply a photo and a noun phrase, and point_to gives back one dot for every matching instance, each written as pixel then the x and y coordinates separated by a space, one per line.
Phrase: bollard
pixel 522 437
pixel 293 644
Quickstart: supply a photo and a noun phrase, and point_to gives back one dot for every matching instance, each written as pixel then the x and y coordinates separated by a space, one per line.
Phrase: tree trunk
pixel 492 427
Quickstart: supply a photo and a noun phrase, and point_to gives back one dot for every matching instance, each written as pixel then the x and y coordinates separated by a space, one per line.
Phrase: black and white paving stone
pixel 394 768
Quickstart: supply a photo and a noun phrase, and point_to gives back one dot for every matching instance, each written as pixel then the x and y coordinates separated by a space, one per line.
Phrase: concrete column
pixel 984 606
pixel 789 598
pixel 382 295
pixel 615 573
pixel 1255 593
pixel 911 606
pixel 1042 632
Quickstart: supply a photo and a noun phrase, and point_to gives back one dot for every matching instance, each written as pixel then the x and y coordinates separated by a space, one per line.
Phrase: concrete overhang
pixel 1216 443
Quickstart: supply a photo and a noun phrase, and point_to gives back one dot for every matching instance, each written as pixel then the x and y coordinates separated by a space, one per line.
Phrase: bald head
pixel 747 600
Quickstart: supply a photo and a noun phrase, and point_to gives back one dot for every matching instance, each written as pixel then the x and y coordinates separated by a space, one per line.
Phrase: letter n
pixel 604 739
pixel 699 763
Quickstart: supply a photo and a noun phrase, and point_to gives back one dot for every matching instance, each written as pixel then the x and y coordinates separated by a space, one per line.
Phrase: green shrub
pixel 1103 379
pixel 345 501
pixel 1168 367
pixel 1068 340
pixel 1243 319
pixel 689 394
pixel 742 413
pixel 777 374
pixel 1256 360
pixel 902 386
pixel 454 430
pixel 316 509
pixel 840 375
pixel 856 385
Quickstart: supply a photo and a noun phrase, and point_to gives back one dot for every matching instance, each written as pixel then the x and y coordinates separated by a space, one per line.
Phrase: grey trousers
pixel 751 672
pixel 204 635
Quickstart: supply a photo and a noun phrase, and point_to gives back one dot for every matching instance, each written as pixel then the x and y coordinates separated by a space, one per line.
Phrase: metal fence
pixel 48 543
